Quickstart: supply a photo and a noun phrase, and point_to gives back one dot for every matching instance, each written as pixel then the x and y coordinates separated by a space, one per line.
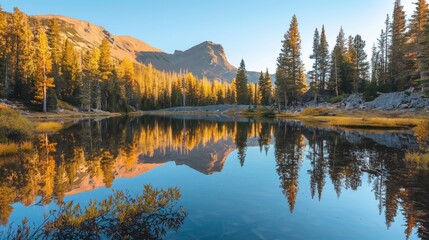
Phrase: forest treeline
pixel 399 59
pixel 40 67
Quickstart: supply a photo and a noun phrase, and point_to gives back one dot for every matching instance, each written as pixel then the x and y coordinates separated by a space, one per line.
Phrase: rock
pixel 352 102
pixel 398 100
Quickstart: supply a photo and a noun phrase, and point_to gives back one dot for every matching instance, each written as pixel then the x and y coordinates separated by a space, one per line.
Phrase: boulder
pixel 352 102
pixel 398 100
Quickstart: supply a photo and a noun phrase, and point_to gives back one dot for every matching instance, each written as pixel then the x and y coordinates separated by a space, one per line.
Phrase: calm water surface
pixel 239 179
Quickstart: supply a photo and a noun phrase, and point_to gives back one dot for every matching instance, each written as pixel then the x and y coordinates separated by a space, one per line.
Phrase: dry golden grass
pixel 8 149
pixel 421 160
pixel 372 122
pixel 49 127
pixel 13 125
pixel 320 111
pixel 372 119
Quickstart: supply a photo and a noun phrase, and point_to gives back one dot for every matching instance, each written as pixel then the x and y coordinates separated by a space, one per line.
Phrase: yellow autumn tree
pixel 43 70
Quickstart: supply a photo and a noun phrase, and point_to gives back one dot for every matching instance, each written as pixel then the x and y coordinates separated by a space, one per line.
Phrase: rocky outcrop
pixel 406 100
pixel 352 102
pixel 398 100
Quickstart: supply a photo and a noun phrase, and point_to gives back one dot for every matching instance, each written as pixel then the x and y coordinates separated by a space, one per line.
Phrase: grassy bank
pixel 369 119
pixel 17 131
pixel 14 126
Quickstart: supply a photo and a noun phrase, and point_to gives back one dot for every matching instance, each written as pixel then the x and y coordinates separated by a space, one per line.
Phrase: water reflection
pixel 93 153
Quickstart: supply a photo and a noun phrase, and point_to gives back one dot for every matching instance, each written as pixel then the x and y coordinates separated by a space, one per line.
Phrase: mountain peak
pixel 87 36
pixel 205 59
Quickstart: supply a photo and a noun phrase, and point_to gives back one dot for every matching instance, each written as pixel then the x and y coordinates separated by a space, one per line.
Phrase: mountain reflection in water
pixel 93 153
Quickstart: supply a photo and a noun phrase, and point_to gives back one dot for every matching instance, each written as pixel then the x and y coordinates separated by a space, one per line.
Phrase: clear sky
pixel 248 29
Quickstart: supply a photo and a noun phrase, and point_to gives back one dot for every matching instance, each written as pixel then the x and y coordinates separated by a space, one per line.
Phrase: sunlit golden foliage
pixel 48 127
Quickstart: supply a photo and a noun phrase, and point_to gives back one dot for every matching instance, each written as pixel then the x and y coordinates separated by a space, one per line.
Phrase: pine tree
pixel 70 73
pixel 43 78
pixel 397 54
pixel 323 59
pixel 21 66
pixel 105 62
pixel 265 88
pixel 261 83
pixel 55 44
pixel 126 74
pixel 382 57
pixel 360 64
pixel 316 57
pixel 415 36
pixel 3 55
pixel 338 64
pixel 290 77
pixel 374 64
pixel 85 94
pixel 241 85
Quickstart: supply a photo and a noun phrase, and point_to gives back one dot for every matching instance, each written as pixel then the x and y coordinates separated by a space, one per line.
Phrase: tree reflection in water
pixel 121 216
pixel 340 156
pixel 97 152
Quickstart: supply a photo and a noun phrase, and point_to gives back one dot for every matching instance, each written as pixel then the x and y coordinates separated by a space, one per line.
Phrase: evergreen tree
pixel 105 62
pixel 43 70
pixel 70 73
pixel 415 36
pixel 397 64
pixel 360 64
pixel 338 65
pixel 55 44
pixel 316 57
pixel 85 93
pixel 323 58
pixel 374 64
pixel 261 83
pixel 130 89
pixel 381 58
pixel 21 66
pixel 266 89
pixel 290 77
pixel 3 55
pixel 241 84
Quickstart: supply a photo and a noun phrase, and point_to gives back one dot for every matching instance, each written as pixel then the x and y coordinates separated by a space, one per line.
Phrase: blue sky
pixel 247 29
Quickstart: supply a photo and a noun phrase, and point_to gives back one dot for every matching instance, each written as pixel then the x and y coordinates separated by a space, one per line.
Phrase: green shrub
pixel 337 98
pixel 371 92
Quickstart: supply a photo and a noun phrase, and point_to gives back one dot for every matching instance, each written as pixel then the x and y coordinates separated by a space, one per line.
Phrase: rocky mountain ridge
pixel 205 59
